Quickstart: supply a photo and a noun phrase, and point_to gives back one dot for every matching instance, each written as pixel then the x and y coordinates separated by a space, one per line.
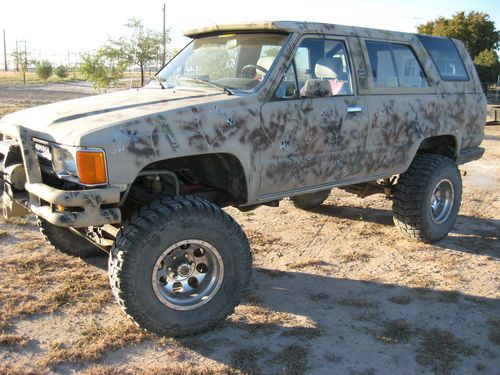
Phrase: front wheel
pixel 427 198
pixel 66 241
pixel 180 266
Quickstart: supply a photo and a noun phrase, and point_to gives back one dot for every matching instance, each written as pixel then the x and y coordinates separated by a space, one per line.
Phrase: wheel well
pixel 218 178
pixel 445 145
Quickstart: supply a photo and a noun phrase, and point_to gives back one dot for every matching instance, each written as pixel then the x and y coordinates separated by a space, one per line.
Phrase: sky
pixel 56 29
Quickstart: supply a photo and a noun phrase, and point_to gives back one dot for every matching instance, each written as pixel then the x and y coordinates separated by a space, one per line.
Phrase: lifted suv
pixel 245 115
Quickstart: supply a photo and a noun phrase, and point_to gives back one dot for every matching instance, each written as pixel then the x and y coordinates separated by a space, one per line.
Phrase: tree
pixel 487 65
pixel 99 69
pixel 141 47
pixel 23 59
pixel 475 29
pixel 61 71
pixel 43 69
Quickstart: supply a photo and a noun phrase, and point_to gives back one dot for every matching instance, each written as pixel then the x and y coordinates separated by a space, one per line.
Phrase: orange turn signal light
pixel 91 167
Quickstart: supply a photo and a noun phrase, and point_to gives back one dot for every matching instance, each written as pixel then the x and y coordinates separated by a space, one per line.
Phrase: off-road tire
pixel 152 230
pixel 413 195
pixel 309 201
pixel 67 242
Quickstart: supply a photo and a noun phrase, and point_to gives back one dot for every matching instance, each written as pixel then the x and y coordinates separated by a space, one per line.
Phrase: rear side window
pixel 445 55
pixel 395 65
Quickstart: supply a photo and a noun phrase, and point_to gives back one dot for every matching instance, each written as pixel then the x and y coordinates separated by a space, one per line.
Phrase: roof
pixel 300 27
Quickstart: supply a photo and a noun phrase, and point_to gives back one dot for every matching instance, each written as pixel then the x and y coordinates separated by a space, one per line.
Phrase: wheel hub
pixel 184 270
pixel 441 202
pixel 188 274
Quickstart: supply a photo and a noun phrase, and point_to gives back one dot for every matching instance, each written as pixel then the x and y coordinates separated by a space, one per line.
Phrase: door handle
pixel 354 109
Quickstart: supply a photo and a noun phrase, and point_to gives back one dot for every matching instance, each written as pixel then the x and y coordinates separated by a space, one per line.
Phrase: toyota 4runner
pixel 245 115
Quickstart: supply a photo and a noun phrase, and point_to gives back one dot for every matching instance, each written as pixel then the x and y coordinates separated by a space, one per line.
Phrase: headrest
pixel 326 67
pixel 317 88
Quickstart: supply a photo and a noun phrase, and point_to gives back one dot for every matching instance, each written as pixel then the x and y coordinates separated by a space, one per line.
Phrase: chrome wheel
pixel 442 201
pixel 188 274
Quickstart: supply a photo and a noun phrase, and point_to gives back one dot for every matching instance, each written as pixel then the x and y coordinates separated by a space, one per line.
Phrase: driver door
pixel 313 132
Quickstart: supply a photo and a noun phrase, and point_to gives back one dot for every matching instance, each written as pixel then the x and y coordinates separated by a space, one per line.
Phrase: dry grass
pixel 319 296
pixel 440 350
pixel 449 296
pixel 262 243
pixel 253 318
pixel 8 369
pixel 60 281
pixel 170 369
pixel 252 299
pixel 356 256
pixel 273 273
pixel 395 332
pixel 357 302
pixel 3 233
pixel 17 77
pixel 18 220
pixel 332 357
pixel 494 334
pixel 293 360
pixel 12 340
pixel 307 263
pixel 303 333
pixel 246 360
pixel 94 342
pixel 400 300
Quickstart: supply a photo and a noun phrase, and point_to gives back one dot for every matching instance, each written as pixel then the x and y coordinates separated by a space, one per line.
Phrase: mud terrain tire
pixel 145 247
pixel 67 242
pixel 427 198
pixel 309 201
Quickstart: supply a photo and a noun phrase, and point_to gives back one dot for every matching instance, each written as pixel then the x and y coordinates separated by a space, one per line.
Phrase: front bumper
pixel 65 208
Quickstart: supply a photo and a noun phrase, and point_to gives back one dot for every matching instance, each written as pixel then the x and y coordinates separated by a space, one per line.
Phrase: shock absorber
pixel 155 184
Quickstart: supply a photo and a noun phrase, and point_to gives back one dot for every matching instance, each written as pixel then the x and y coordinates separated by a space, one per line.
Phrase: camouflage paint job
pixel 284 147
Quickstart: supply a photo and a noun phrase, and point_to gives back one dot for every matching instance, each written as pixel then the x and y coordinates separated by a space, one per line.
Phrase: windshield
pixel 231 61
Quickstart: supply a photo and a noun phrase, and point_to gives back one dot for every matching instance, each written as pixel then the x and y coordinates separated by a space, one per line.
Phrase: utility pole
pixel 5 52
pixel 164 36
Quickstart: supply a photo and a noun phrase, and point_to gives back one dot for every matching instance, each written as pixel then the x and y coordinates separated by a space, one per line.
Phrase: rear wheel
pixel 66 241
pixel 180 266
pixel 427 198
pixel 310 200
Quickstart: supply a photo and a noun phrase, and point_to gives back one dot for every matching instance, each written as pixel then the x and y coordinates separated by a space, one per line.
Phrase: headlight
pixel 64 162
pixel 86 166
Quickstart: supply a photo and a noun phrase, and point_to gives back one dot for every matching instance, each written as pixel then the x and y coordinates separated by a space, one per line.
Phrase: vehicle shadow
pixel 357 322
pixel 470 234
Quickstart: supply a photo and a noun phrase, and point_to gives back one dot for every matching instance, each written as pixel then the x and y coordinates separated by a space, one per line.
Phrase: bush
pixel 100 70
pixel 61 71
pixel 43 69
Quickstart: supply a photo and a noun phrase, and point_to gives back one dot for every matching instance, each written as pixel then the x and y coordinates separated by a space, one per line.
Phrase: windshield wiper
pixel 212 84
pixel 159 80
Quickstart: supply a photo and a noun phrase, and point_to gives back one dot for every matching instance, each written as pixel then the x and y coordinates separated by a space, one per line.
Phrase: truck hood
pixel 67 121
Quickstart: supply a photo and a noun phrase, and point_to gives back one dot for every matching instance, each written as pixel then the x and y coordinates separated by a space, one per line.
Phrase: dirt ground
pixel 337 290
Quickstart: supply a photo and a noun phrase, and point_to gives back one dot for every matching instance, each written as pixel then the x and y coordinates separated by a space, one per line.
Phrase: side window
pixel 322 70
pixel 383 69
pixel 445 55
pixel 395 65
